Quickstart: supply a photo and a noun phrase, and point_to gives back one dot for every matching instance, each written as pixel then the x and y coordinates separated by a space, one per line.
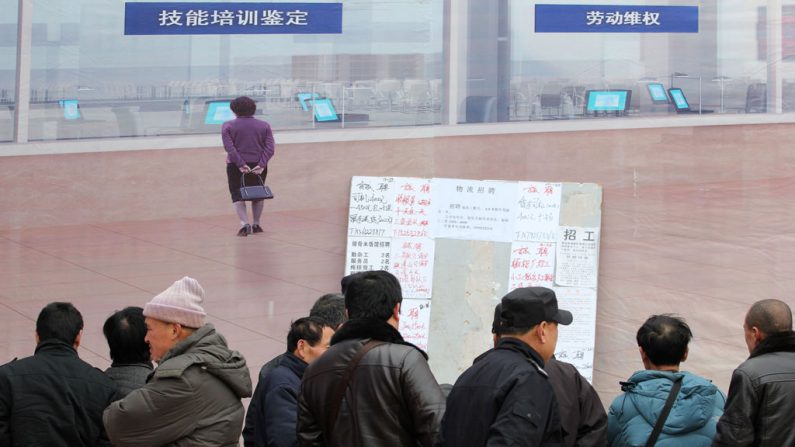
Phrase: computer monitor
pixel 71 109
pixel 324 110
pixel 657 93
pixel 218 112
pixel 679 99
pixel 607 100
pixel 304 97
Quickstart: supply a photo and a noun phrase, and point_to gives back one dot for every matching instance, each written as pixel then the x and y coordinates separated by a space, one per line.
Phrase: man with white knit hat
pixel 193 396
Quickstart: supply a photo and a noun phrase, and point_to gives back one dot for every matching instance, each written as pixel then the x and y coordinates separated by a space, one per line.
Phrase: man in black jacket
pixel 53 398
pixel 392 398
pixel 761 398
pixel 505 397
pixel 582 414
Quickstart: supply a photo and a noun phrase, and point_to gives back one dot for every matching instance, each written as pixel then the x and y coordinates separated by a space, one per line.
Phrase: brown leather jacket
pixel 393 398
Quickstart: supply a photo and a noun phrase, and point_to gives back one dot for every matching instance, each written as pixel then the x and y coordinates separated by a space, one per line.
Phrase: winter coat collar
pixel 373 328
pixel 782 341
pixel 56 347
pixel 293 363
pixel 514 344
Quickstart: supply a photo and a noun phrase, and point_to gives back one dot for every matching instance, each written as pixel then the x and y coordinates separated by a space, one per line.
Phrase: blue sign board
pixel 616 19
pixel 232 18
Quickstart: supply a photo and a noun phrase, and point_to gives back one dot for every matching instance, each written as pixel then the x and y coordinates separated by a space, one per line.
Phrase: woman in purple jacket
pixel 249 145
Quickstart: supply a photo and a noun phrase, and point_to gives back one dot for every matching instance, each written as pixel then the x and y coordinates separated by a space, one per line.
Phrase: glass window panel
pixel 385 69
pixel 8 64
pixel 519 74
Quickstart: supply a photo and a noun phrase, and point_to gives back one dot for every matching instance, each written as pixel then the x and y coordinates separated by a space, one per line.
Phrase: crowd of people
pixel 348 378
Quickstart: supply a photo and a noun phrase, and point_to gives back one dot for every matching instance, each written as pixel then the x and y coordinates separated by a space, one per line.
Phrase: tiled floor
pixel 704 251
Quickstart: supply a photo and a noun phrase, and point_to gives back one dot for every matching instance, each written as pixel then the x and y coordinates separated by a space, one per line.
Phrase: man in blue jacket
pixel 275 419
pixel 663 341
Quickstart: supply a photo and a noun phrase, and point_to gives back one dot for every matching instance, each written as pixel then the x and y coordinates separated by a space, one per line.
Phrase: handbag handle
pixel 342 385
pixel 243 180
pixel 664 413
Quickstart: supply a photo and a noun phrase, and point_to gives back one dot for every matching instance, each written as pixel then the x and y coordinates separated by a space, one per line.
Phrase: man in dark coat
pixel 125 331
pixel 331 309
pixel 274 422
pixel 505 397
pixel 582 414
pixel 392 398
pixel 761 398
pixel 53 398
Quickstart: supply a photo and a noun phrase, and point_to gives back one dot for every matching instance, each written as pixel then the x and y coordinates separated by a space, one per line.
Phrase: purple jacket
pixel 247 140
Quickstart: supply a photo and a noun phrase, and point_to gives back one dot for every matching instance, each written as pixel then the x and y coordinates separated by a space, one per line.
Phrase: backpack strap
pixel 664 413
pixel 342 386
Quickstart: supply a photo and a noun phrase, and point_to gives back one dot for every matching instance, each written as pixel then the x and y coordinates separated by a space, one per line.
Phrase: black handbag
pixel 256 192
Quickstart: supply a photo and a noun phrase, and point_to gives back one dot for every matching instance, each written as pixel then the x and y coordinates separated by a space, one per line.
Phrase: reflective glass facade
pixel 392 65
pixel 8 57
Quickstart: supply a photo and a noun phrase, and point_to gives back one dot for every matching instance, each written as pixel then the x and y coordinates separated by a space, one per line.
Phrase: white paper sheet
pixel 370 210
pixel 576 341
pixel 532 264
pixel 412 264
pixel 474 209
pixel 415 322
pixel 413 208
pixel 368 253
pixel 537 211
pixel 577 257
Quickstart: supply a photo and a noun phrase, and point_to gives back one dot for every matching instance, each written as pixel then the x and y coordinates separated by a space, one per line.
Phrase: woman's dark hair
pixel 59 321
pixel 307 328
pixel 243 106
pixel 372 294
pixel 125 331
pixel 664 339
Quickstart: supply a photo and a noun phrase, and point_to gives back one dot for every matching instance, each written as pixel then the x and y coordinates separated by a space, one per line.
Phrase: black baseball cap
pixel 526 307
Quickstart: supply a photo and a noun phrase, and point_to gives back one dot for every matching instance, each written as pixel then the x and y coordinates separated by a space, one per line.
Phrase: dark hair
pixel 243 106
pixel 59 321
pixel 125 331
pixel 372 294
pixel 770 316
pixel 495 323
pixel 330 308
pixel 306 328
pixel 664 339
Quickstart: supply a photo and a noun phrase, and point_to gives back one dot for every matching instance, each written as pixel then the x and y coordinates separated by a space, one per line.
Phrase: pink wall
pixel 156 184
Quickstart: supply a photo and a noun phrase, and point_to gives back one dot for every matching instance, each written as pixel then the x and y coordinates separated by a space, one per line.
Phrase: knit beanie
pixel 180 303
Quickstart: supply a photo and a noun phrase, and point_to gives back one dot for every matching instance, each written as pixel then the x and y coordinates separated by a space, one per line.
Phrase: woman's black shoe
pixel 244 231
pixel 256 229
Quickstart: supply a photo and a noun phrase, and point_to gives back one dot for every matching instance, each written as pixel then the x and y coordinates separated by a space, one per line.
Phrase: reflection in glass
pixel 8 63
pixel 385 69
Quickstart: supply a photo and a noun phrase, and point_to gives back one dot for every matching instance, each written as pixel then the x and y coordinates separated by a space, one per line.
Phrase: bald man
pixel 761 398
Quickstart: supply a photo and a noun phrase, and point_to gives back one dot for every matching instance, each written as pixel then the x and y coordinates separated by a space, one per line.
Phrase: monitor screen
pixel 71 109
pixel 678 97
pixel 218 112
pixel 324 110
pixel 607 100
pixel 304 97
pixel 657 93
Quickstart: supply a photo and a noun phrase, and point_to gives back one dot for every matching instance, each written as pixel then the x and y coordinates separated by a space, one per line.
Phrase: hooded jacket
pixel 392 400
pixel 692 419
pixel 191 399
pixel 761 403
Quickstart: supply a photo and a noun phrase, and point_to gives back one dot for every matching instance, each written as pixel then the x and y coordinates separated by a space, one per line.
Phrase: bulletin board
pixel 457 246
